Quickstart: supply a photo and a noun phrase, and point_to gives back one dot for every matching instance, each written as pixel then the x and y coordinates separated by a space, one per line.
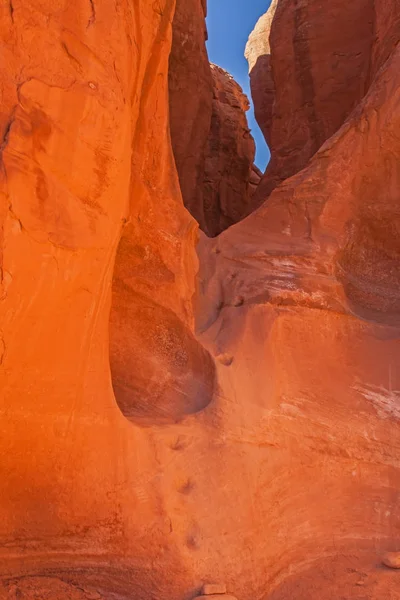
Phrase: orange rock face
pixel 258 54
pixel 303 296
pixel 163 430
pixel 91 213
pixel 309 69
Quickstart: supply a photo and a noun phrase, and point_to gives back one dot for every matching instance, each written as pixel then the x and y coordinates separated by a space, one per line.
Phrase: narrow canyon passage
pixel 182 408
pixel 213 146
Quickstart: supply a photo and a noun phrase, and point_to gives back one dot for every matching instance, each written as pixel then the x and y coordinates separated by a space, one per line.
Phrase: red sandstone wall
pixel 213 148
pixel 286 481
pixel 227 191
pixel 190 101
pixel 89 195
pixel 320 64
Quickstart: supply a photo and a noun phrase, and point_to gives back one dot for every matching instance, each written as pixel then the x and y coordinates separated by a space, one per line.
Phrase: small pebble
pixel 238 301
pixel 391 560
pixel 225 359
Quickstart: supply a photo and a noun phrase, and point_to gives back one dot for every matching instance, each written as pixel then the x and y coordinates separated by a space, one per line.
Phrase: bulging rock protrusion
pixel 160 371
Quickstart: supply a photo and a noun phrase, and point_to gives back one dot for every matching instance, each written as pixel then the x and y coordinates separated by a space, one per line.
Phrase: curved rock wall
pixel 318 70
pixel 258 55
pixel 308 287
pixel 272 467
pixel 90 197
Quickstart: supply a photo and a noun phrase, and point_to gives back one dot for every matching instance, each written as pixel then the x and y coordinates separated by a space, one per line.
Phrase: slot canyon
pixel 199 361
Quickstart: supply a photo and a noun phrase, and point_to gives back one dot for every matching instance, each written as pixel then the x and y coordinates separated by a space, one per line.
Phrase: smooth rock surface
pixel 316 268
pixel 248 429
pixel 353 577
pixel 91 215
pixel 217 596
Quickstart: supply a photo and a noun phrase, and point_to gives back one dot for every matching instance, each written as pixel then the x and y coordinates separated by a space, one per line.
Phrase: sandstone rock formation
pixel 318 71
pixel 89 194
pixel 308 286
pixel 273 466
pixel 213 148
pixel 210 589
pixel 229 174
pixel 258 54
pixel 190 101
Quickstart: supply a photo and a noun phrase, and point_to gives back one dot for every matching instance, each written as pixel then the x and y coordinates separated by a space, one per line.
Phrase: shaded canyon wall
pixel 319 63
pixel 213 147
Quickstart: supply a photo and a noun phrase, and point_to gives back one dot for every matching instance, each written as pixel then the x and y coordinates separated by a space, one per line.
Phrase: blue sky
pixel 229 25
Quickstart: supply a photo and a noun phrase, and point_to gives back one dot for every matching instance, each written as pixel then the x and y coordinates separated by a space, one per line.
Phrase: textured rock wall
pixel 308 287
pixel 320 67
pixel 228 172
pixel 213 148
pixel 258 55
pixel 286 483
pixel 89 196
pixel 191 99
